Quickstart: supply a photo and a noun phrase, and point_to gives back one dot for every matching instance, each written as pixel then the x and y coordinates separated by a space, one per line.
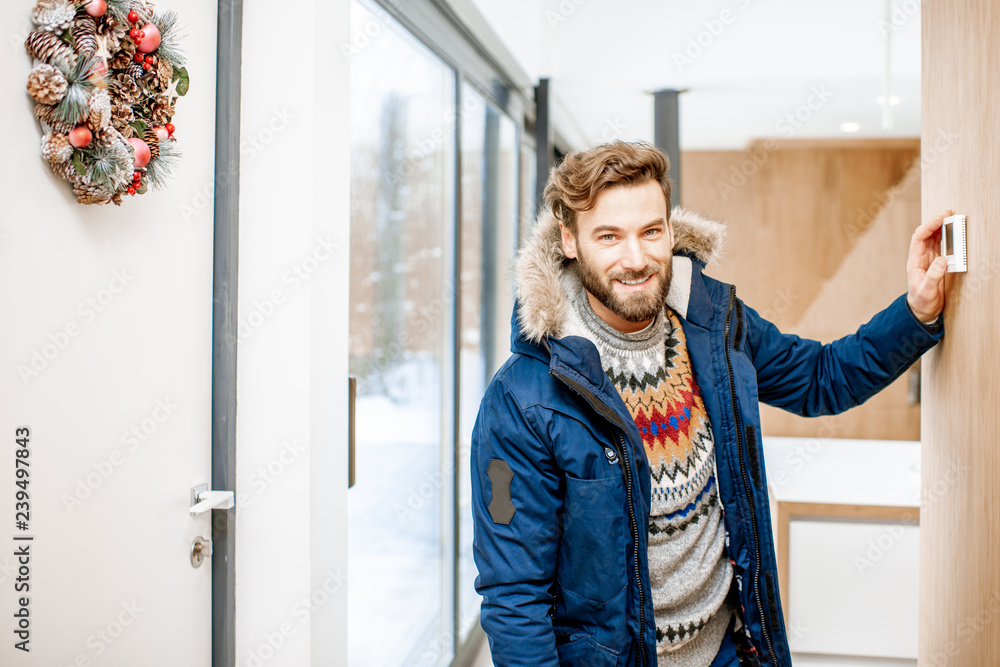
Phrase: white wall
pixel 293 303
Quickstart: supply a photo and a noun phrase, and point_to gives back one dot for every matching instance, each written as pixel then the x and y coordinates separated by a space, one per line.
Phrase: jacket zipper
pixel 606 412
pixel 743 471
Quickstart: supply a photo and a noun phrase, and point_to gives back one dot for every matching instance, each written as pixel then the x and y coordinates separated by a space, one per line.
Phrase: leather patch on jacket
pixel 501 507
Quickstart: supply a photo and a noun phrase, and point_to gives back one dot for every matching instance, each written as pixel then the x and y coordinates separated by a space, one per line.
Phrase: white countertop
pixel 842 471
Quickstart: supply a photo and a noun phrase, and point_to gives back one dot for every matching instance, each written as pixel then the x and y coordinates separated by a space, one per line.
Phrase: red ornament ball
pixel 80 137
pixel 96 8
pixel 161 133
pixel 149 38
pixel 142 154
pixel 169 127
pixel 133 17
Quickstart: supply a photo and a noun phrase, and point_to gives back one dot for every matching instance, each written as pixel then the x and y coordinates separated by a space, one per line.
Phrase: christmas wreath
pixel 106 81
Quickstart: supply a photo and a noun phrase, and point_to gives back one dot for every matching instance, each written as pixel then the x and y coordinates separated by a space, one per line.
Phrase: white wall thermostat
pixel 953 243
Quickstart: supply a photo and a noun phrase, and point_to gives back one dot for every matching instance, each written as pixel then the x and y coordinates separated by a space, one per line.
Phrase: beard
pixel 635 306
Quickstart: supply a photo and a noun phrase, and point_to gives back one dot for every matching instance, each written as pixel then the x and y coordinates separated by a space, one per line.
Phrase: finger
pixel 933 277
pixel 927 229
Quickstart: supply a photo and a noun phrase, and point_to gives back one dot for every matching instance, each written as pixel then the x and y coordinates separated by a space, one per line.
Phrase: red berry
pixel 149 59
pixel 141 36
pixel 131 190
pixel 134 34
pixel 147 66
pixel 169 127
pixel 137 57
pixel 137 176
pixel 133 17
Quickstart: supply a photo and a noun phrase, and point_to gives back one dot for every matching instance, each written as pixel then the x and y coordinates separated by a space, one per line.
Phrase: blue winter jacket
pixel 560 481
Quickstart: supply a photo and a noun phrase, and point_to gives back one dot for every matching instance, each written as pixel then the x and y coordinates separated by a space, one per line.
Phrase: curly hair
pixel 576 182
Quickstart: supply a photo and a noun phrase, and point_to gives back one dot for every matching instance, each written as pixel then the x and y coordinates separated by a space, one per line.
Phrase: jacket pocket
pixel 592 550
pixel 582 651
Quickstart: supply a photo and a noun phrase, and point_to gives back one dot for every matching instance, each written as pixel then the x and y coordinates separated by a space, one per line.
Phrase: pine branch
pixel 109 165
pixel 160 169
pixel 75 106
pixel 120 9
pixel 170 38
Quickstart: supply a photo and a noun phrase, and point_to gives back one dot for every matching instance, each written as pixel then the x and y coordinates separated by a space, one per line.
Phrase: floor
pixel 483 660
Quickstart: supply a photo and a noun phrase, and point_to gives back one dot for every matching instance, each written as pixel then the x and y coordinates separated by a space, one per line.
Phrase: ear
pixel 670 231
pixel 568 241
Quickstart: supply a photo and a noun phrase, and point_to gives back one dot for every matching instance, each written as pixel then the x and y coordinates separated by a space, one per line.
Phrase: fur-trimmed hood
pixel 543 306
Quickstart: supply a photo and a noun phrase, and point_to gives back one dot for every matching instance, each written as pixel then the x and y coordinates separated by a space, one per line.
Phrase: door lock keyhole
pixel 201 549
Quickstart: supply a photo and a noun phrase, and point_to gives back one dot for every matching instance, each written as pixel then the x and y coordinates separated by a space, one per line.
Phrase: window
pixel 402 296
pixel 434 223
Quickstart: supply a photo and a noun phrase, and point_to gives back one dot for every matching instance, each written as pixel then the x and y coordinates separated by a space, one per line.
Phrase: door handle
pixel 352 400
pixel 203 500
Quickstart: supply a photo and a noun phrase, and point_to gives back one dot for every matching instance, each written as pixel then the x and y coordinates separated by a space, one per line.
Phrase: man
pixel 620 505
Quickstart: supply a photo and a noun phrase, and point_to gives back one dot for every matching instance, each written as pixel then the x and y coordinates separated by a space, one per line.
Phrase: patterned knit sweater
pixel 689 570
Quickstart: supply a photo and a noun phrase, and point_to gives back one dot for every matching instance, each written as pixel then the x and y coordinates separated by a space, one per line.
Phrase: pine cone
pixel 113 136
pixel 46 84
pixel 111 31
pixel 154 144
pixel 164 73
pixel 104 135
pixel 123 56
pixel 161 110
pixel 65 171
pixel 121 116
pixel 85 34
pixel 100 110
pixel 144 9
pixel 109 25
pixel 45 113
pixel 48 48
pixel 53 16
pixel 125 87
pixel 91 193
pixel 135 70
pixel 56 148
pixel 117 199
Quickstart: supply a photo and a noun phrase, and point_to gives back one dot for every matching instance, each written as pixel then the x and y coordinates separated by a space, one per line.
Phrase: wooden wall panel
pixel 796 211
pixel 871 275
pixel 960 514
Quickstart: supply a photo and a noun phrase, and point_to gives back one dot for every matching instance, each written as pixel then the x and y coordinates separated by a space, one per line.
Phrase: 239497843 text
pixel 22 539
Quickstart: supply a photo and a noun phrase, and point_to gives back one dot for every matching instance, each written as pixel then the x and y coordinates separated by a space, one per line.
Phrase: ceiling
pixel 751 68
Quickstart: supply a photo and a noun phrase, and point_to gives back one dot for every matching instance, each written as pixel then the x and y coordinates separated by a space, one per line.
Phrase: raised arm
pixel 812 379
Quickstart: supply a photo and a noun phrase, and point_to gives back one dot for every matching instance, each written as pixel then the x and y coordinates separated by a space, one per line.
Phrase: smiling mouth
pixel 633 284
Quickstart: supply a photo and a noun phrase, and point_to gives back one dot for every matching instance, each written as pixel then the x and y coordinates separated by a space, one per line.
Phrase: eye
pixel 607 237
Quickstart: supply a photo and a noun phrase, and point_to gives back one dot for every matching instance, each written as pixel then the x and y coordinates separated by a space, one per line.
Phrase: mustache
pixel 650 270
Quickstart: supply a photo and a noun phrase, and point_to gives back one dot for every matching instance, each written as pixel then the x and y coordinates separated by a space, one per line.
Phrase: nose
pixel 633 256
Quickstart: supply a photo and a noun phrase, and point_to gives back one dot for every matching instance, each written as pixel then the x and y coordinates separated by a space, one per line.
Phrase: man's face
pixel 624 246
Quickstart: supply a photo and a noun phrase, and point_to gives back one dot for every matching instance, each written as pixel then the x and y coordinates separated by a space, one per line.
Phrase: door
pixel 107 361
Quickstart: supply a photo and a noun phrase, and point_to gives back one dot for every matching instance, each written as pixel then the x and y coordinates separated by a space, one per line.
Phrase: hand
pixel 925 270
